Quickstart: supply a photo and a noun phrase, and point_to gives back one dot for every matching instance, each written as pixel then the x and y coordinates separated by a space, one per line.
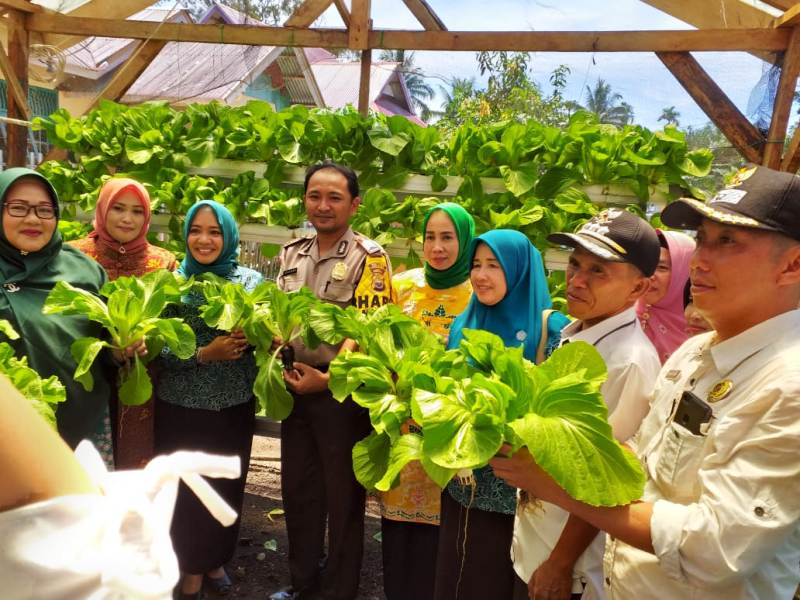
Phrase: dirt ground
pixel 261 565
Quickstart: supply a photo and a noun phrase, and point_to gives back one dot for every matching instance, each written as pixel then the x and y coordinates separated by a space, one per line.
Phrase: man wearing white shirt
pixel 720 515
pixel 613 256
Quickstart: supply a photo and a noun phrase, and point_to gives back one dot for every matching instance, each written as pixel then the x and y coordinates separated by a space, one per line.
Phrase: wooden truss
pixel 722 25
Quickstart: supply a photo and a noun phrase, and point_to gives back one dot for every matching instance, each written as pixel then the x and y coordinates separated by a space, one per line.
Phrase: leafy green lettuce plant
pixel 130 313
pixel 44 394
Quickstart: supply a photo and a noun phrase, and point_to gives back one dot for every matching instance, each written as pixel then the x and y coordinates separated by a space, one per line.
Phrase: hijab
pixel 517 318
pixel 45 340
pixel 14 265
pixel 665 324
pixel 458 272
pixel 226 261
pixel 108 193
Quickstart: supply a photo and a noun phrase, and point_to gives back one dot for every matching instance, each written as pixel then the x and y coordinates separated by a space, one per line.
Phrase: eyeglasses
pixel 43 211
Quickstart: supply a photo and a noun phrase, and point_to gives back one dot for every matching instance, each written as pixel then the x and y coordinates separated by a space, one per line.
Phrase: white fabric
pixel 633 366
pixel 111 545
pixel 726 514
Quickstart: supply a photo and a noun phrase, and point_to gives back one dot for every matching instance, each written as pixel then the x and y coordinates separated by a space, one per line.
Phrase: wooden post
pixel 363 88
pixel 783 102
pixel 731 122
pixel 18 59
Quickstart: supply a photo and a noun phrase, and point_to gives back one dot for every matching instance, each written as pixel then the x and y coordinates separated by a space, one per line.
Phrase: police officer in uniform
pixel 317 480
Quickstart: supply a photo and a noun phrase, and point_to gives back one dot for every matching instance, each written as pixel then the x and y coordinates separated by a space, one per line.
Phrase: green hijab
pixel 14 266
pixel 25 282
pixel 465 231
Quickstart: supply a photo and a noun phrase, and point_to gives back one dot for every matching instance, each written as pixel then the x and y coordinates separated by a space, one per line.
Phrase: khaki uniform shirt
pixel 354 271
pixel 726 503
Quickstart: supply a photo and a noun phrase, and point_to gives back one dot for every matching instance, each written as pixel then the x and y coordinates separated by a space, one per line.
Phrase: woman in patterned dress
pixel 206 402
pixel 119 243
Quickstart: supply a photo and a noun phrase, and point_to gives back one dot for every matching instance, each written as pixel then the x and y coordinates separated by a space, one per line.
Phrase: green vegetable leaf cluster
pixel 130 313
pixel 44 394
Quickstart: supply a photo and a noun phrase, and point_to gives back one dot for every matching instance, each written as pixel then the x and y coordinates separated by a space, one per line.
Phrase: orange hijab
pixel 110 190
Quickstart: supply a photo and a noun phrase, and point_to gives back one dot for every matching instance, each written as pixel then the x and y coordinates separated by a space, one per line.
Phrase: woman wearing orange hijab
pixel 119 243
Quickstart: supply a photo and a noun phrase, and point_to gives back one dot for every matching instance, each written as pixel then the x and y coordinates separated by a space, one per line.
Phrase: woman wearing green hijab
pixel 433 295
pixel 32 260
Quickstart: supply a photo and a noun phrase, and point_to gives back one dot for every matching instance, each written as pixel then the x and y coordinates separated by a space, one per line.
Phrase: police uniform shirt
pixel 356 270
pixel 726 503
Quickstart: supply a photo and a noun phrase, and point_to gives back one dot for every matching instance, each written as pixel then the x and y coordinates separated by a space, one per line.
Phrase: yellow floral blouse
pixel 417 498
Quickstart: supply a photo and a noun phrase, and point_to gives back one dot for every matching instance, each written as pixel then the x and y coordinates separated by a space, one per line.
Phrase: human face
pixel 205 237
pixel 487 276
pixel 125 217
pixel 329 205
pixel 598 289
pixel 659 282
pixel 734 273
pixel 695 321
pixel 29 233
pixel 440 248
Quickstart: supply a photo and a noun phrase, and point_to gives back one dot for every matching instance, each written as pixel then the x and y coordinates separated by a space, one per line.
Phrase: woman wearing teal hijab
pixel 206 403
pixel 32 260
pixel 433 295
pixel 510 298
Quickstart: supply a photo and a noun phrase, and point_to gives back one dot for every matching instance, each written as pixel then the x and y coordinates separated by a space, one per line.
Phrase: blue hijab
pixel 517 318
pixel 226 261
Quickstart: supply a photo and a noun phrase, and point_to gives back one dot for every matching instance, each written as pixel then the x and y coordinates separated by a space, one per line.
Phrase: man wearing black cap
pixel 613 256
pixel 720 514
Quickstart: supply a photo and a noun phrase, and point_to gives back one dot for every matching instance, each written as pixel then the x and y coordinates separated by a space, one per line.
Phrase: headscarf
pixel 14 265
pixel 45 340
pixel 108 193
pixel 226 261
pixel 517 318
pixel 458 272
pixel 664 321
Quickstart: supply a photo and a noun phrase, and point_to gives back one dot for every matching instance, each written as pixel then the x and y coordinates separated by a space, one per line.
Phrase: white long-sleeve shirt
pixel 726 516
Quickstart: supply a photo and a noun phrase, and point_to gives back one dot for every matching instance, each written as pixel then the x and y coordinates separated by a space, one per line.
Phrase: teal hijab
pixel 14 265
pixel 465 231
pixel 226 261
pixel 517 318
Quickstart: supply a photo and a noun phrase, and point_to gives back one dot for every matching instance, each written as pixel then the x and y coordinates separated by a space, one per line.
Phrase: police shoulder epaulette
pixel 299 240
pixel 371 246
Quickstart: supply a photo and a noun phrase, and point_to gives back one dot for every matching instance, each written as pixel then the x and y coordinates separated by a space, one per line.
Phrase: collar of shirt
pixel 339 249
pixel 727 355
pixel 593 334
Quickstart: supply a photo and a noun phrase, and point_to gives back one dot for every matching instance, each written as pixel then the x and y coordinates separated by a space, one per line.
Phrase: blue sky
pixel 640 77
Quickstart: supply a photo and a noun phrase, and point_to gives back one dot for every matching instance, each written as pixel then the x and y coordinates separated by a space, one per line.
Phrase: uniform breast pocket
pixel 677 460
pixel 337 292
pixel 292 284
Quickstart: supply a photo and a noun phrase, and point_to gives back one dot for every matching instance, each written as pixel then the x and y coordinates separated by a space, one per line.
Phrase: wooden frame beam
pixel 705 14
pixel 17 78
pixel 791 18
pixel 363 85
pixel 343 12
pixel 780 4
pixel 308 12
pixel 21 5
pixel 14 87
pixel 771 40
pixel 425 15
pixel 359 25
pixel 781 110
pixel 733 124
pixel 791 159
pixel 125 77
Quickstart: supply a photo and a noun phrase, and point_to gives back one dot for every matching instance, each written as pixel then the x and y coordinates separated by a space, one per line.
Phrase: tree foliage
pixel 420 90
pixel 608 105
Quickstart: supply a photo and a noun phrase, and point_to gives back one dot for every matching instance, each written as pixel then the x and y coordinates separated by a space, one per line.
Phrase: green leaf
pixel 178 336
pixel 518 181
pixel 8 330
pixel 68 300
pixel 390 144
pixel 135 385
pixel 270 389
pixel 371 459
pixel 84 351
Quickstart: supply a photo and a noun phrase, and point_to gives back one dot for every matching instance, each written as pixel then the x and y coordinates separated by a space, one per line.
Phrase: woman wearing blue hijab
pixel 510 299
pixel 206 403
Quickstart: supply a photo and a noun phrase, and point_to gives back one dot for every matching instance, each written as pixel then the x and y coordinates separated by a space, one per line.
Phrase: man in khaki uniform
pixel 317 480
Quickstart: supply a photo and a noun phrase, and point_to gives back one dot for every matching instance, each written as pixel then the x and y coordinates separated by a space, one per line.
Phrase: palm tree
pixel 670 116
pixel 460 89
pixel 420 91
pixel 608 105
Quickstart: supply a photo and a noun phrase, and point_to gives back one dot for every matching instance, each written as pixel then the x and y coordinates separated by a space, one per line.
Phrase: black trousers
pixel 318 484
pixel 409 559
pixel 474 556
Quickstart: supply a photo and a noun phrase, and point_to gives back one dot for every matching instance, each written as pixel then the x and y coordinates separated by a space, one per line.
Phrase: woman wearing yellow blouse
pixel 434 295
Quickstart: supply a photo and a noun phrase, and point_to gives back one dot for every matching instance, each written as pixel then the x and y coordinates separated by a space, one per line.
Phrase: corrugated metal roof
pixel 384 104
pixel 339 81
pixel 95 56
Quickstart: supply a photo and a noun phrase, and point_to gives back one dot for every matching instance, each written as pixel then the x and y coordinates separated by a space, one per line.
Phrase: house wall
pixel 261 89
